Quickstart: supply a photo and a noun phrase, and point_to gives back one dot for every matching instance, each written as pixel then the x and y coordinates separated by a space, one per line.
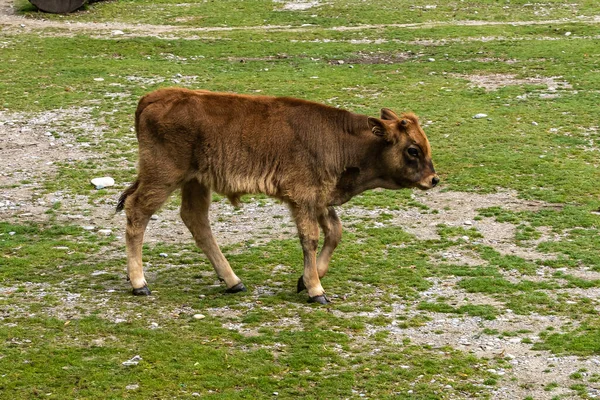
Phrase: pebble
pixel 534 123
pixel 567 33
pixel 153 325
pixel 89 228
pixel 468 222
pixel 164 255
pixel 12 233
pixel 103 182
pixel 135 360
pixel 431 59
pixel 117 32
pixel 105 232
pixel 98 79
pixel 199 316
pixel 132 387
pixel 479 116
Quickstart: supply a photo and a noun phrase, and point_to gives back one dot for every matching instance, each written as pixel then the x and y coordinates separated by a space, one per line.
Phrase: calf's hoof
pixel 300 286
pixel 237 288
pixel 143 291
pixel 319 299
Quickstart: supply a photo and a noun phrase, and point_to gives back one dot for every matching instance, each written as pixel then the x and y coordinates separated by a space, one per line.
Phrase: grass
pixel 68 320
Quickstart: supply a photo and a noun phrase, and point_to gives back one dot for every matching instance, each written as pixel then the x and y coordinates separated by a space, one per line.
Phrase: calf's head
pixel 405 160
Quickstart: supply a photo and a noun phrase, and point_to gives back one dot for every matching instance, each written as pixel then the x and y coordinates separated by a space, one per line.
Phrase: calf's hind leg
pixel 141 201
pixel 195 202
pixel 332 230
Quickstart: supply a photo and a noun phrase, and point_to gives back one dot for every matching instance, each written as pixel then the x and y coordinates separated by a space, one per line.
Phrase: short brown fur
pixel 308 155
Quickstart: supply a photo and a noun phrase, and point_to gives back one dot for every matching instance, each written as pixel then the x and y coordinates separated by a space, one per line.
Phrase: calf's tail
pixel 125 194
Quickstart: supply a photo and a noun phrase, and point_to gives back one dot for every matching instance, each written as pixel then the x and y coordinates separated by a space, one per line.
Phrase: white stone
pixel 199 316
pixel 132 361
pixel 103 182
pixel 479 116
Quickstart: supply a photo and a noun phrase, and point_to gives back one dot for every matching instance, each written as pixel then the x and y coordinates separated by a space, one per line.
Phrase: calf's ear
pixel 378 127
pixel 388 114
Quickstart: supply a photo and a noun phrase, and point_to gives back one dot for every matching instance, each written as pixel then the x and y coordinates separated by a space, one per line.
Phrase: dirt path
pixel 16 23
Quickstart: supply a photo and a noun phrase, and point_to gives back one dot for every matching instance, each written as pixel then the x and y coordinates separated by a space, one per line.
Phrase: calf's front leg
pixel 308 232
pixel 332 230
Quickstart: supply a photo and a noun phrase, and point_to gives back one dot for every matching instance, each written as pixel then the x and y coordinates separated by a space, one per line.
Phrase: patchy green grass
pixel 67 320
pixel 584 340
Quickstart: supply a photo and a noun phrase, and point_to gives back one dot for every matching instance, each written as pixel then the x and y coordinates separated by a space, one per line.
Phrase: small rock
pixel 199 316
pixel 153 325
pixel 117 32
pixel 275 393
pixel 105 232
pixel 465 238
pixel 132 387
pixel 534 123
pixel 164 255
pixel 135 360
pixel 431 59
pixel 567 33
pixel 467 222
pixel 479 116
pixel 99 79
pixel 89 228
pixel 12 233
pixel 103 182
pixel 340 62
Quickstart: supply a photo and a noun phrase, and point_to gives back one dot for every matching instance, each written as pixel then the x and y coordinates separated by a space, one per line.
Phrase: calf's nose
pixel 435 181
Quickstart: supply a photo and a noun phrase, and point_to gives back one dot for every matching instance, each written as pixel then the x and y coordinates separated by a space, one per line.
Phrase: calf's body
pixel 308 155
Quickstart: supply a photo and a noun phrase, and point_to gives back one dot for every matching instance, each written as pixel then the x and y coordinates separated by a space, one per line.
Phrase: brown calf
pixel 310 156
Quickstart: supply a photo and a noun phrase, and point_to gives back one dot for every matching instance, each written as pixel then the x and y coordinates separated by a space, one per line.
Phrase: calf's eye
pixel 413 152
